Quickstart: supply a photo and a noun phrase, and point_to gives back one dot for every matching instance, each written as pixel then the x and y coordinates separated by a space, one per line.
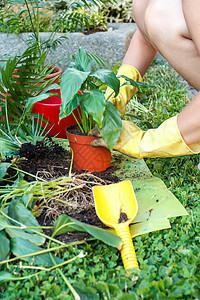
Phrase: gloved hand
pixel 165 141
pixel 126 92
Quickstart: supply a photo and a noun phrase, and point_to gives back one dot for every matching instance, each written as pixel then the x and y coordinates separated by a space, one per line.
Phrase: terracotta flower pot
pixel 86 157
pixel 2 100
pixel 57 71
pixel 50 109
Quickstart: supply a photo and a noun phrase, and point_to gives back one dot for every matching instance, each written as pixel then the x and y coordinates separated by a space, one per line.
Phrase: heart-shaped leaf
pixel 66 224
pixel 108 77
pixel 82 59
pixel 4 246
pixel 94 103
pixel 71 82
pixel 21 247
pixel 111 126
pixel 20 213
pixel 3 169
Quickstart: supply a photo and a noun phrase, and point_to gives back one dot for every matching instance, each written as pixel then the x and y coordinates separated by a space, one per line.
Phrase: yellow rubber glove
pixel 165 141
pixel 126 92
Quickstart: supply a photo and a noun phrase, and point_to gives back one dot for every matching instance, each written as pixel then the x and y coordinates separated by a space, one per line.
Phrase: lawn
pixel 169 259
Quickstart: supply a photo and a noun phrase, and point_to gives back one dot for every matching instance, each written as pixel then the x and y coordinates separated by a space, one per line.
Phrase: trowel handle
pixel 128 250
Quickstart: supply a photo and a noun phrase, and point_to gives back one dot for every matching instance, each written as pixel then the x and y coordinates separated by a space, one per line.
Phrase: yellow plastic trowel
pixel 116 206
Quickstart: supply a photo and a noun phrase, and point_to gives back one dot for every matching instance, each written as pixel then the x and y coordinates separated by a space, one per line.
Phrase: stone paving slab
pixel 110 45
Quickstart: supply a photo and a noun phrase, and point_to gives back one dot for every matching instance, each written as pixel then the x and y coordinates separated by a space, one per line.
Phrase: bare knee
pixel 162 30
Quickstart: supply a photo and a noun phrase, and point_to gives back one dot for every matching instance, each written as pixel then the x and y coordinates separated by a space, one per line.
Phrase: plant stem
pixel 38 30
pixel 43 252
pixel 38 178
pixel 75 294
pixel 79 125
pixel 30 16
pixel 33 230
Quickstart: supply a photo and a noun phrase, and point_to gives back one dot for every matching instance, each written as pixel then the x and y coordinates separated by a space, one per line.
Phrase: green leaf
pixel 94 103
pixel 108 77
pixel 83 60
pixel 8 146
pixel 128 296
pixel 4 246
pixel 21 247
pixel 20 213
pixel 3 91
pixel 71 82
pixel 85 292
pixel 3 223
pixel 32 100
pixel 28 200
pixel 111 126
pixel 33 238
pixel 50 87
pixel 133 82
pixel 6 276
pixel 66 224
pixel 70 106
pixel 103 289
pixel 3 169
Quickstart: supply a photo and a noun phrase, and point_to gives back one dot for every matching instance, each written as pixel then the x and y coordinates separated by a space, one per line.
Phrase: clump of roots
pixel 75 198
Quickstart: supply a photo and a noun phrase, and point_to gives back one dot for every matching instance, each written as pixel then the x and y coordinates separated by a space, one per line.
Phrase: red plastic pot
pixel 50 109
pixel 86 157
pixel 57 72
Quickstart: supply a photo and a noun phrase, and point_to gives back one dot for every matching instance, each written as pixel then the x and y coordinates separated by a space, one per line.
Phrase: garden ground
pixel 169 259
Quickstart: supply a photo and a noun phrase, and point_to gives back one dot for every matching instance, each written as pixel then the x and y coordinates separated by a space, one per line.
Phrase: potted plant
pixel 19 81
pixel 30 71
pixel 95 110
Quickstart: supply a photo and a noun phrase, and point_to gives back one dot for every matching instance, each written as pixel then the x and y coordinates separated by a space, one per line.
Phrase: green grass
pixel 169 259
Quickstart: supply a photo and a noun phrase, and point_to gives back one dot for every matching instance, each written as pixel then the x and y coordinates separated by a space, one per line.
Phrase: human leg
pixel 163 24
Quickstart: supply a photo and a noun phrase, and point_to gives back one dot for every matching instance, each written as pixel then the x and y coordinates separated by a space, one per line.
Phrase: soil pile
pixel 49 160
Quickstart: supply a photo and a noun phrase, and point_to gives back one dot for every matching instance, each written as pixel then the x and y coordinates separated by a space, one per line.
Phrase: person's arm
pixel 172 137
pixel 140 53
pixel 189 121
pixel 137 60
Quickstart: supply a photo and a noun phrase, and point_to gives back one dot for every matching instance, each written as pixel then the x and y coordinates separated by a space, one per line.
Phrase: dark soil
pixel 49 160
pixel 75 129
pixel 123 217
pixel 53 70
